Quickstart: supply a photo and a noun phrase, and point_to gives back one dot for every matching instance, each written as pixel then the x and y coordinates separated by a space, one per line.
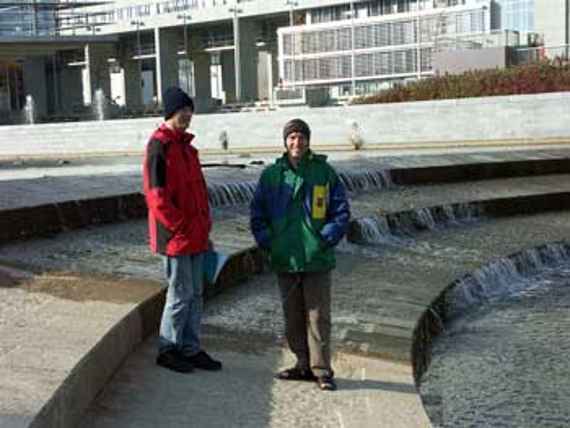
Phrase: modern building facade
pixel 552 20
pixel 235 51
pixel 370 45
pixel 32 50
pixel 517 15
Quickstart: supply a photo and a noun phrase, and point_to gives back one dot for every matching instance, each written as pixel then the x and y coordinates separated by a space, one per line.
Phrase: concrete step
pixel 377 303
pixel 110 199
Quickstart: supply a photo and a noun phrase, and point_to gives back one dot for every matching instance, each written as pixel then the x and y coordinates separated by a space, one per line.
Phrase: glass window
pixel 516 15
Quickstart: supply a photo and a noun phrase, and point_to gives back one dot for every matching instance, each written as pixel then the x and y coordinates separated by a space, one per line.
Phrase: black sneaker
pixel 174 360
pixel 326 383
pixel 203 361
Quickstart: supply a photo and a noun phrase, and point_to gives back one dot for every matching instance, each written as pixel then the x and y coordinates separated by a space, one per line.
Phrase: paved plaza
pixel 71 308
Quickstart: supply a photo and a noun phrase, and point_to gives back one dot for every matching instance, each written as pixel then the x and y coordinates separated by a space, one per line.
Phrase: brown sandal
pixel 296 373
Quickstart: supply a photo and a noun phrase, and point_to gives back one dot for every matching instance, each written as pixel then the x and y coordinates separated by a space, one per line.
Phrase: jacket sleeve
pixel 338 214
pixel 259 216
pixel 157 196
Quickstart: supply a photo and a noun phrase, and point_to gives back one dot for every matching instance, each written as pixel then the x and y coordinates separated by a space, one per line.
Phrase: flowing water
pixel 100 105
pixel 505 363
pixel 398 228
pixel 30 110
pixel 501 364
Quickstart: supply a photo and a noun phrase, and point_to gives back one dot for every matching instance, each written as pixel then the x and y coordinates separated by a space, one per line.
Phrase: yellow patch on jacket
pixel 319 202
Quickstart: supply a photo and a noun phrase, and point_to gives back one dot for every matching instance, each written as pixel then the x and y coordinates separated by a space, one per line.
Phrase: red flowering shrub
pixel 545 76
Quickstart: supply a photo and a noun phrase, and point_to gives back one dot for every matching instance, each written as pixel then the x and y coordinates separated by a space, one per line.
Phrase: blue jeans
pixel 182 314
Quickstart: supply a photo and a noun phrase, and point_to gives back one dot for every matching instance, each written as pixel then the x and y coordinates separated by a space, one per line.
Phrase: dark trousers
pixel 306 299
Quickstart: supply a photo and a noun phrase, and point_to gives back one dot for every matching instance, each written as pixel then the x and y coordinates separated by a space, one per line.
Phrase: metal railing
pixel 289 96
pixel 156 8
pixel 213 41
pixel 556 54
pixel 492 39
pixel 146 49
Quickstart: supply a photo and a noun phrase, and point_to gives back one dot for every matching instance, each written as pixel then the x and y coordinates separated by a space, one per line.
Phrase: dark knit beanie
pixel 175 99
pixel 297 125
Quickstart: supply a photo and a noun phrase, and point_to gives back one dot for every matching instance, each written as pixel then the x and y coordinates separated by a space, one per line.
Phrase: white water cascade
pixel 99 105
pixel 239 193
pixel 30 110
pixel 504 277
pixel 365 180
pixel 397 227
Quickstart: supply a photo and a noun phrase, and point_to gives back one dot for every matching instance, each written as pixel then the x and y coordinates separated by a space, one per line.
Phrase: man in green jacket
pixel 299 213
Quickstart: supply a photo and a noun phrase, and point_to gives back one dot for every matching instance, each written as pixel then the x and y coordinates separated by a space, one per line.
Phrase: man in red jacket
pixel 179 224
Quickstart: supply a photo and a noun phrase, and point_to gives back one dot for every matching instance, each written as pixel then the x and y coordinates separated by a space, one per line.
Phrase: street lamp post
pixel 419 41
pixel 237 60
pixel 292 4
pixel 35 18
pixel 138 25
pixel 352 47
pixel 93 28
pixel 55 83
pixel 351 13
pixel 186 18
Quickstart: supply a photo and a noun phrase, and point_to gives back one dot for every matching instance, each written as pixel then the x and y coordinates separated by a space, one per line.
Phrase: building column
pixel 97 64
pixel 35 83
pixel 228 76
pixel 132 75
pixel 72 99
pixel 267 72
pixel 166 48
pixel 248 32
pixel 203 98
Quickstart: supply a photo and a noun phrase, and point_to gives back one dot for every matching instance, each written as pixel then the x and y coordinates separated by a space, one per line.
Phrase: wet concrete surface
pixel 379 294
pixel 401 198
pixel 244 394
pixel 48 323
pixel 504 364
pixel 377 299
pixel 30 183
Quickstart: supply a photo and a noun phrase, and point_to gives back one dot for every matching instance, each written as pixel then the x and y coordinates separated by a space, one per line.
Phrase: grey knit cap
pixel 296 125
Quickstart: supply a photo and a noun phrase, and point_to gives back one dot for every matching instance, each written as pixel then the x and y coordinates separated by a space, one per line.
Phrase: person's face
pixel 181 119
pixel 297 145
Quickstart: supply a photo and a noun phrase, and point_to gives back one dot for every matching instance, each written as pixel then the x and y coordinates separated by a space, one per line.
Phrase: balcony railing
pixel 217 41
pixel 289 96
pixel 493 39
pixel 556 54
pixel 146 49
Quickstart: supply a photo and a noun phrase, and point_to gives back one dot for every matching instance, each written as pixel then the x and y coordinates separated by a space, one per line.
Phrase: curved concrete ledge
pixel 48 219
pixel 45 220
pixel 69 402
pixel 444 307
pixel 67 405
pixel 96 367
pixel 477 171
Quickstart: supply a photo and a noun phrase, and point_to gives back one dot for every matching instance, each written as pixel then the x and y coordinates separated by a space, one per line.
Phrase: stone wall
pixel 527 117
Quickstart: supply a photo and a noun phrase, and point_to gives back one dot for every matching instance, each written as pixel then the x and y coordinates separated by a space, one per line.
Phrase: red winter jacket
pixel 175 190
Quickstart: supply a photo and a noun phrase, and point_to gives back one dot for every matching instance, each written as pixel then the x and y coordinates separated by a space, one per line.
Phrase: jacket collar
pixel 167 135
pixel 284 163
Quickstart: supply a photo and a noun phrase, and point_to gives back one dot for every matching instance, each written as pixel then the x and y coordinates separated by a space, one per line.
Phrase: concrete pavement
pixel 76 297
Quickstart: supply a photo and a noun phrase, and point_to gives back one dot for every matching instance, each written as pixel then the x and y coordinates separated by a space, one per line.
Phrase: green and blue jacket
pixel 300 214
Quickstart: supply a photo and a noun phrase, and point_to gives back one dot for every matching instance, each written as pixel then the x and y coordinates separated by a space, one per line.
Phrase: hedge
pixel 545 76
